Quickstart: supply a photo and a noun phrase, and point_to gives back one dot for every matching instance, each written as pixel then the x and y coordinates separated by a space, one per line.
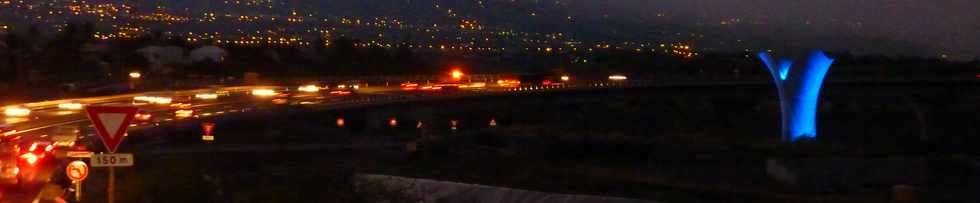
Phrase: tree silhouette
pixel 342 55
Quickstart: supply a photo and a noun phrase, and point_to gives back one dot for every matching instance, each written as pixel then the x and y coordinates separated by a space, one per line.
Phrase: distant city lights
pixel 245 27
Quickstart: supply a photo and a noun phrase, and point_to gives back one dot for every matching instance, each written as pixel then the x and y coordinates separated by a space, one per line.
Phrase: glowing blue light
pixel 782 68
pixel 799 97
pixel 782 73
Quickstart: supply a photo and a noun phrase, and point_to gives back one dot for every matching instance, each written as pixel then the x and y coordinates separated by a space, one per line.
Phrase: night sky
pixel 946 26
pixel 892 27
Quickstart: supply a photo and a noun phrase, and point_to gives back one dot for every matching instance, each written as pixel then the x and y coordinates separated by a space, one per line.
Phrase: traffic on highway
pixel 40 138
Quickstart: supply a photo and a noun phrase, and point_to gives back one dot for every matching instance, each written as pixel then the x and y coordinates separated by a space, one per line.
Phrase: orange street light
pixel 340 122
pixel 393 122
pixel 135 75
pixel 457 74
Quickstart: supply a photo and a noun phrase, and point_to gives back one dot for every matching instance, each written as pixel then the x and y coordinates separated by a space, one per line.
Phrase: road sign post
pixel 78 191
pixel 110 189
pixel 208 128
pixel 111 123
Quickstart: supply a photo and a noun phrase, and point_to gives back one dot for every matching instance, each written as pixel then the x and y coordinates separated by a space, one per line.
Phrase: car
pixel 431 88
pixel 146 100
pixel 9 171
pixel 348 85
pixel 71 105
pixel 181 105
pixel 30 158
pixel 79 146
pixel 450 87
pixel 7 130
pixel 409 86
pixel 40 148
pixel 340 92
pixel 16 111
pixel 508 83
pixel 65 135
pixel 183 113
pixel 142 116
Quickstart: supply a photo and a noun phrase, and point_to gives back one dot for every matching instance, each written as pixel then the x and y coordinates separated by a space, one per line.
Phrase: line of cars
pixel 506 81
pixel 452 86
pixel 412 86
pixel 21 160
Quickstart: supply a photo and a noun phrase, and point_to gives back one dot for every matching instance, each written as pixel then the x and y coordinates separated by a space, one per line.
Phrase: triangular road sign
pixel 111 122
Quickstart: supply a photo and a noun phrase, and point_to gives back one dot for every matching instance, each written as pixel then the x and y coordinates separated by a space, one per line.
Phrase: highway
pixel 168 107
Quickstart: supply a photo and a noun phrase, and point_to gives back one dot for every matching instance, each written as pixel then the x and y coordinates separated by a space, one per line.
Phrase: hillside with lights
pixel 460 26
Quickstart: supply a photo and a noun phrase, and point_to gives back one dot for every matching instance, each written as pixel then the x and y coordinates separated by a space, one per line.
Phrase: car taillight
pixel 29 157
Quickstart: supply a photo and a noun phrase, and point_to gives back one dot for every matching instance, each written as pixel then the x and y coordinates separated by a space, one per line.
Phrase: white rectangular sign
pixel 79 154
pixel 106 160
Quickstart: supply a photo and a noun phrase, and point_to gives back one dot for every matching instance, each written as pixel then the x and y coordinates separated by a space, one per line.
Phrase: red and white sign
pixel 111 123
pixel 208 127
pixel 79 154
pixel 77 170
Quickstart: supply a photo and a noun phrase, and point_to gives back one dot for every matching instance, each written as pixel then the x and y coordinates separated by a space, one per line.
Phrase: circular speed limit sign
pixel 77 170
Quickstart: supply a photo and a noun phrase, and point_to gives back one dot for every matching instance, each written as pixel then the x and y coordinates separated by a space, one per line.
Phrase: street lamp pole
pixel 134 77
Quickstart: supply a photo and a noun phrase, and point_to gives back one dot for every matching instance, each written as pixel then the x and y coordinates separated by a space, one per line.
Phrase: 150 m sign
pixel 107 160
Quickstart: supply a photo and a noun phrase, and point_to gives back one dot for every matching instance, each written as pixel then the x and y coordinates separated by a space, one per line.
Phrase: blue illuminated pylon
pixel 799 90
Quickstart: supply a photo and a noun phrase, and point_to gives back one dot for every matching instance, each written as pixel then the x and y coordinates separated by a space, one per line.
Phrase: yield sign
pixel 111 123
